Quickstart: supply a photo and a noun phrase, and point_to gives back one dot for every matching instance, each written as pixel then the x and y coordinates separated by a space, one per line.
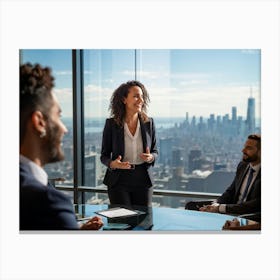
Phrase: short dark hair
pixel 256 137
pixel 36 84
pixel 117 107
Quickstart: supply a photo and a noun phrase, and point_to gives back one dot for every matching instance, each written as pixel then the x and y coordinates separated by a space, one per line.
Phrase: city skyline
pixel 196 81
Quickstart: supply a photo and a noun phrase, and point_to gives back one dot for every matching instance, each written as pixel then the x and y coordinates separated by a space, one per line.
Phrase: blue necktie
pixel 250 177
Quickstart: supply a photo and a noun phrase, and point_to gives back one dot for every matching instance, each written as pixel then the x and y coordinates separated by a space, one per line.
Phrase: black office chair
pixel 195 205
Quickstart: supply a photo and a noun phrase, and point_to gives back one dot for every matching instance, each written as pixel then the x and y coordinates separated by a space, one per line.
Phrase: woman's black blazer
pixel 113 146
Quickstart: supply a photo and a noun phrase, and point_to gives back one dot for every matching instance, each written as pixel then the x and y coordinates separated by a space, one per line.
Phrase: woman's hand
pixel 118 164
pixel 147 157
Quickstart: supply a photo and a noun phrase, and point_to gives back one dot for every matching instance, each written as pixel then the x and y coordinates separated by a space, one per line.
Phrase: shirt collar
pixel 127 131
pixel 256 167
pixel 38 173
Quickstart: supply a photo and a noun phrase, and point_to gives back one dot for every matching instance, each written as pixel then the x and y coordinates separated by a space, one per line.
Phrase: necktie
pixel 250 177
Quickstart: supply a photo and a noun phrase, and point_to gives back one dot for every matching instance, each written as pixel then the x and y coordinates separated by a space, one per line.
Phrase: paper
pixel 117 212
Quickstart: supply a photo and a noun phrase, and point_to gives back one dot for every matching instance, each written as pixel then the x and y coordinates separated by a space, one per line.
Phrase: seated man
pixel 243 196
pixel 42 207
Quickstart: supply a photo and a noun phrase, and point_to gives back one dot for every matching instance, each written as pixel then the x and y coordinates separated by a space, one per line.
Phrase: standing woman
pixel 129 146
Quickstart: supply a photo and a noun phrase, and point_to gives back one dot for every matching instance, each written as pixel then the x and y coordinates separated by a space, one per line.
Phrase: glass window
pixel 104 71
pixel 205 103
pixel 61 63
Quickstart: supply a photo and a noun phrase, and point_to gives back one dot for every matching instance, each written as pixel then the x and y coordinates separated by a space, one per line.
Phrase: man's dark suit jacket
pixel 43 207
pixel 113 146
pixel 230 196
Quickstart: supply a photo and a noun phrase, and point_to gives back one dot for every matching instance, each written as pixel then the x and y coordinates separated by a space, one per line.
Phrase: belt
pixel 135 166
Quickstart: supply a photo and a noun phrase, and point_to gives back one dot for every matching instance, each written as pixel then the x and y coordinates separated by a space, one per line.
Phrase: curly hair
pixel 117 107
pixel 36 84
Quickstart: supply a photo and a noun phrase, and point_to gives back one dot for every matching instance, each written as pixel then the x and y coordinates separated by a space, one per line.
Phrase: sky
pixel 197 81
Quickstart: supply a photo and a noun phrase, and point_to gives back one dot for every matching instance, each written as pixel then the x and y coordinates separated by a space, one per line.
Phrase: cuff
pixel 222 208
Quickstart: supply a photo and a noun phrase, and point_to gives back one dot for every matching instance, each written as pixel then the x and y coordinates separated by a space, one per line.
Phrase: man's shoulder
pixel 242 165
pixel 241 168
pixel 28 182
pixel 30 188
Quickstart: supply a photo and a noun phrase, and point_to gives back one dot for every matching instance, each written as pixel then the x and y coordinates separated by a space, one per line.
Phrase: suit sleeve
pixel 61 211
pixel 229 197
pixel 251 206
pixel 106 149
pixel 44 208
pixel 153 150
pixel 229 193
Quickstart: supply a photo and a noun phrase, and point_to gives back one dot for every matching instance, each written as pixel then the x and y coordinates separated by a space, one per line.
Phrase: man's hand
pixel 231 224
pixel 94 223
pixel 210 208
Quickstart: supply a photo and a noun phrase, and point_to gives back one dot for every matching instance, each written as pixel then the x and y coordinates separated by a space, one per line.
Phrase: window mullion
pixel 78 123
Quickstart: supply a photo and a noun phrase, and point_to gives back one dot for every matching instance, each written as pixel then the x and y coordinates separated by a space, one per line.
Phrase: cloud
pixel 193 82
pixel 142 74
pixel 95 93
pixel 202 102
pixel 63 94
pixel 63 73
pixel 173 101
pixel 86 72
pixel 191 76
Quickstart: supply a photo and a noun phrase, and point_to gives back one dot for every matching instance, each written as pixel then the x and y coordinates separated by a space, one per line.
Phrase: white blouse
pixel 133 145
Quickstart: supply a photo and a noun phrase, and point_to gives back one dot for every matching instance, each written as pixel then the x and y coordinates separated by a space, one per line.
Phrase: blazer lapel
pixel 144 136
pixel 253 185
pixel 239 184
pixel 119 140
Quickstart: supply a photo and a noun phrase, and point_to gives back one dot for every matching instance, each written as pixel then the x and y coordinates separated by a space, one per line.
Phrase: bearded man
pixel 243 196
pixel 42 207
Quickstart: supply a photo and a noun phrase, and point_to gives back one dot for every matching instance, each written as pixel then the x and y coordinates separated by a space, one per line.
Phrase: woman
pixel 129 147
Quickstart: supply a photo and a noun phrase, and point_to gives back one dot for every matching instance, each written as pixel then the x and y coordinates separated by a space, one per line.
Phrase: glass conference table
pixel 153 218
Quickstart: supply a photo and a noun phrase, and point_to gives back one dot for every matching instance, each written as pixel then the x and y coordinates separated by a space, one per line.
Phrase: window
pixel 104 71
pixel 204 102
pixel 61 63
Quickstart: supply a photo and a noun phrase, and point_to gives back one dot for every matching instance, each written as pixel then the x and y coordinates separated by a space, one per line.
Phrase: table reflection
pixel 157 219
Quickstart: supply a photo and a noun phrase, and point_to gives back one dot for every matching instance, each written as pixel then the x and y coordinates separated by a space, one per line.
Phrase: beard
pixel 52 144
pixel 252 158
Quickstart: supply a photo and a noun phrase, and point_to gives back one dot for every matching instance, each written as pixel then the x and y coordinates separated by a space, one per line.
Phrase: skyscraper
pixel 194 159
pixel 165 153
pixel 234 114
pixel 90 170
pixel 250 122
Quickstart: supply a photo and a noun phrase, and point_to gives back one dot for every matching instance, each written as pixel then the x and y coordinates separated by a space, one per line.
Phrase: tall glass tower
pixel 250 122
